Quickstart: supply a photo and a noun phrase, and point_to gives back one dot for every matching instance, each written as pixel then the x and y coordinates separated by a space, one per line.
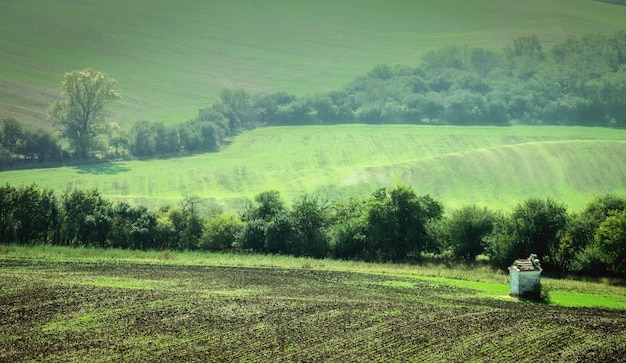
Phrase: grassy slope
pixel 491 166
pixel 171 58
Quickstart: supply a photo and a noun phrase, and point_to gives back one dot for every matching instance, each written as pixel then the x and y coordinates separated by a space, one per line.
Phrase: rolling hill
pixel 491 166
pixel 172 58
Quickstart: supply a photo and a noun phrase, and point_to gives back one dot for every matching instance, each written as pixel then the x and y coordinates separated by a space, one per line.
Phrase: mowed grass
pixel 172 58
pixel 496 167
pixel 102 310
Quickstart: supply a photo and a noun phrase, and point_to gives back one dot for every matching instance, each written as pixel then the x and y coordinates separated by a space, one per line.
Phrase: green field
pixel 160 306
pixel 492 166
pixel 172 58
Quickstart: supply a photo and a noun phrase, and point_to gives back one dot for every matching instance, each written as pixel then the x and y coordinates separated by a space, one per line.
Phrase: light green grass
pixel 489 283
pixel 495 167
pixel 172 58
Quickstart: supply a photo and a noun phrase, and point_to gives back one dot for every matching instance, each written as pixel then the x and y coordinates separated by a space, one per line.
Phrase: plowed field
pixel 79 311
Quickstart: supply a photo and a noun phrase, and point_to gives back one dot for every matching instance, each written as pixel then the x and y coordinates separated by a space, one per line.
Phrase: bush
pixel 220 231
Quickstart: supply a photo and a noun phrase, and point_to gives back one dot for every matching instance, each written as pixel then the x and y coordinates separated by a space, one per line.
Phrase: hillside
pixel 491 166
pixel 173 58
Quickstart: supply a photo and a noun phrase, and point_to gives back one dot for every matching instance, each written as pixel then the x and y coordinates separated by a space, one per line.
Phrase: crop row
pixel 58 312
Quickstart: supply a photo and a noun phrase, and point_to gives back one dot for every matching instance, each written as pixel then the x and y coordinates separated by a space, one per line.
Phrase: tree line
pixel 389 225
pixel 579 81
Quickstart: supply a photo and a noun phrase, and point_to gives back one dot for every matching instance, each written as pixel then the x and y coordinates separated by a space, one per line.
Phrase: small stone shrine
pixel 525 276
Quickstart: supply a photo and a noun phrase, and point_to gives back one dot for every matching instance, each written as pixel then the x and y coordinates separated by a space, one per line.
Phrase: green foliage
pixel 279 234
pixel 390 225
pixel 22 146
pixel 534 226
pixel 610 242
pixel 580 245
pixel 132 227
pixel 269 206
pixel 81 113
pixel 310 219
pixel 181 74
pixel 86 218
pixel 396 223
pixel 464 232
pixel 29 215
pixel 578 82
pixel 219 232
pixel 252 236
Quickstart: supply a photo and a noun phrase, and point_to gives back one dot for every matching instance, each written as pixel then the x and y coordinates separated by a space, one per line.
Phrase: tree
pixel 578 249
pixel 309 218
pixel 269 205
pixel 465 231
pixel 12 135
pixel 584 225
pixel 132 227
pixel 235 105
pixel 610 241
pixel 535 226
pixel 81 112
pixel 252 236
pixel 220 231
pixel 86 218
pixel 396 223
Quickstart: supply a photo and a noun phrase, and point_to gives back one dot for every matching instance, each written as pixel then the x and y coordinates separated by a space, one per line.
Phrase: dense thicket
pixel 20 146
pixel 580 81
pixel 390 225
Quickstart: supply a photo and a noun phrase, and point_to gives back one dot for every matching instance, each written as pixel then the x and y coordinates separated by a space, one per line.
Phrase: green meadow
pixel 496 167
pixel 172 58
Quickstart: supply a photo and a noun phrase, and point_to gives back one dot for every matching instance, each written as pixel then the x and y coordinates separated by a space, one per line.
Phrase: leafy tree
pixel 347 231
pixel 86 218
pixel 188 228
pixel 610 242
pixel 279 234
pixel 381 71
pixel 12 135
pixel 29 215
pixel 325 110
pixel 252 236
pixel 268 106
pixel 165 236
pixel 534 226
pixel 166 139
pixel 585 224
pixel 235 105
pixel 578 250
pixel 450 57
pixel 269 205
pixel 132 227
pixel 309 219
pixel 396 223
pixel 143 140
pixel 220 231
pixel 81 113
pixel 465 231
pixel 7 206
pixel 465 108
pixel 119 140
pixel 529 46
